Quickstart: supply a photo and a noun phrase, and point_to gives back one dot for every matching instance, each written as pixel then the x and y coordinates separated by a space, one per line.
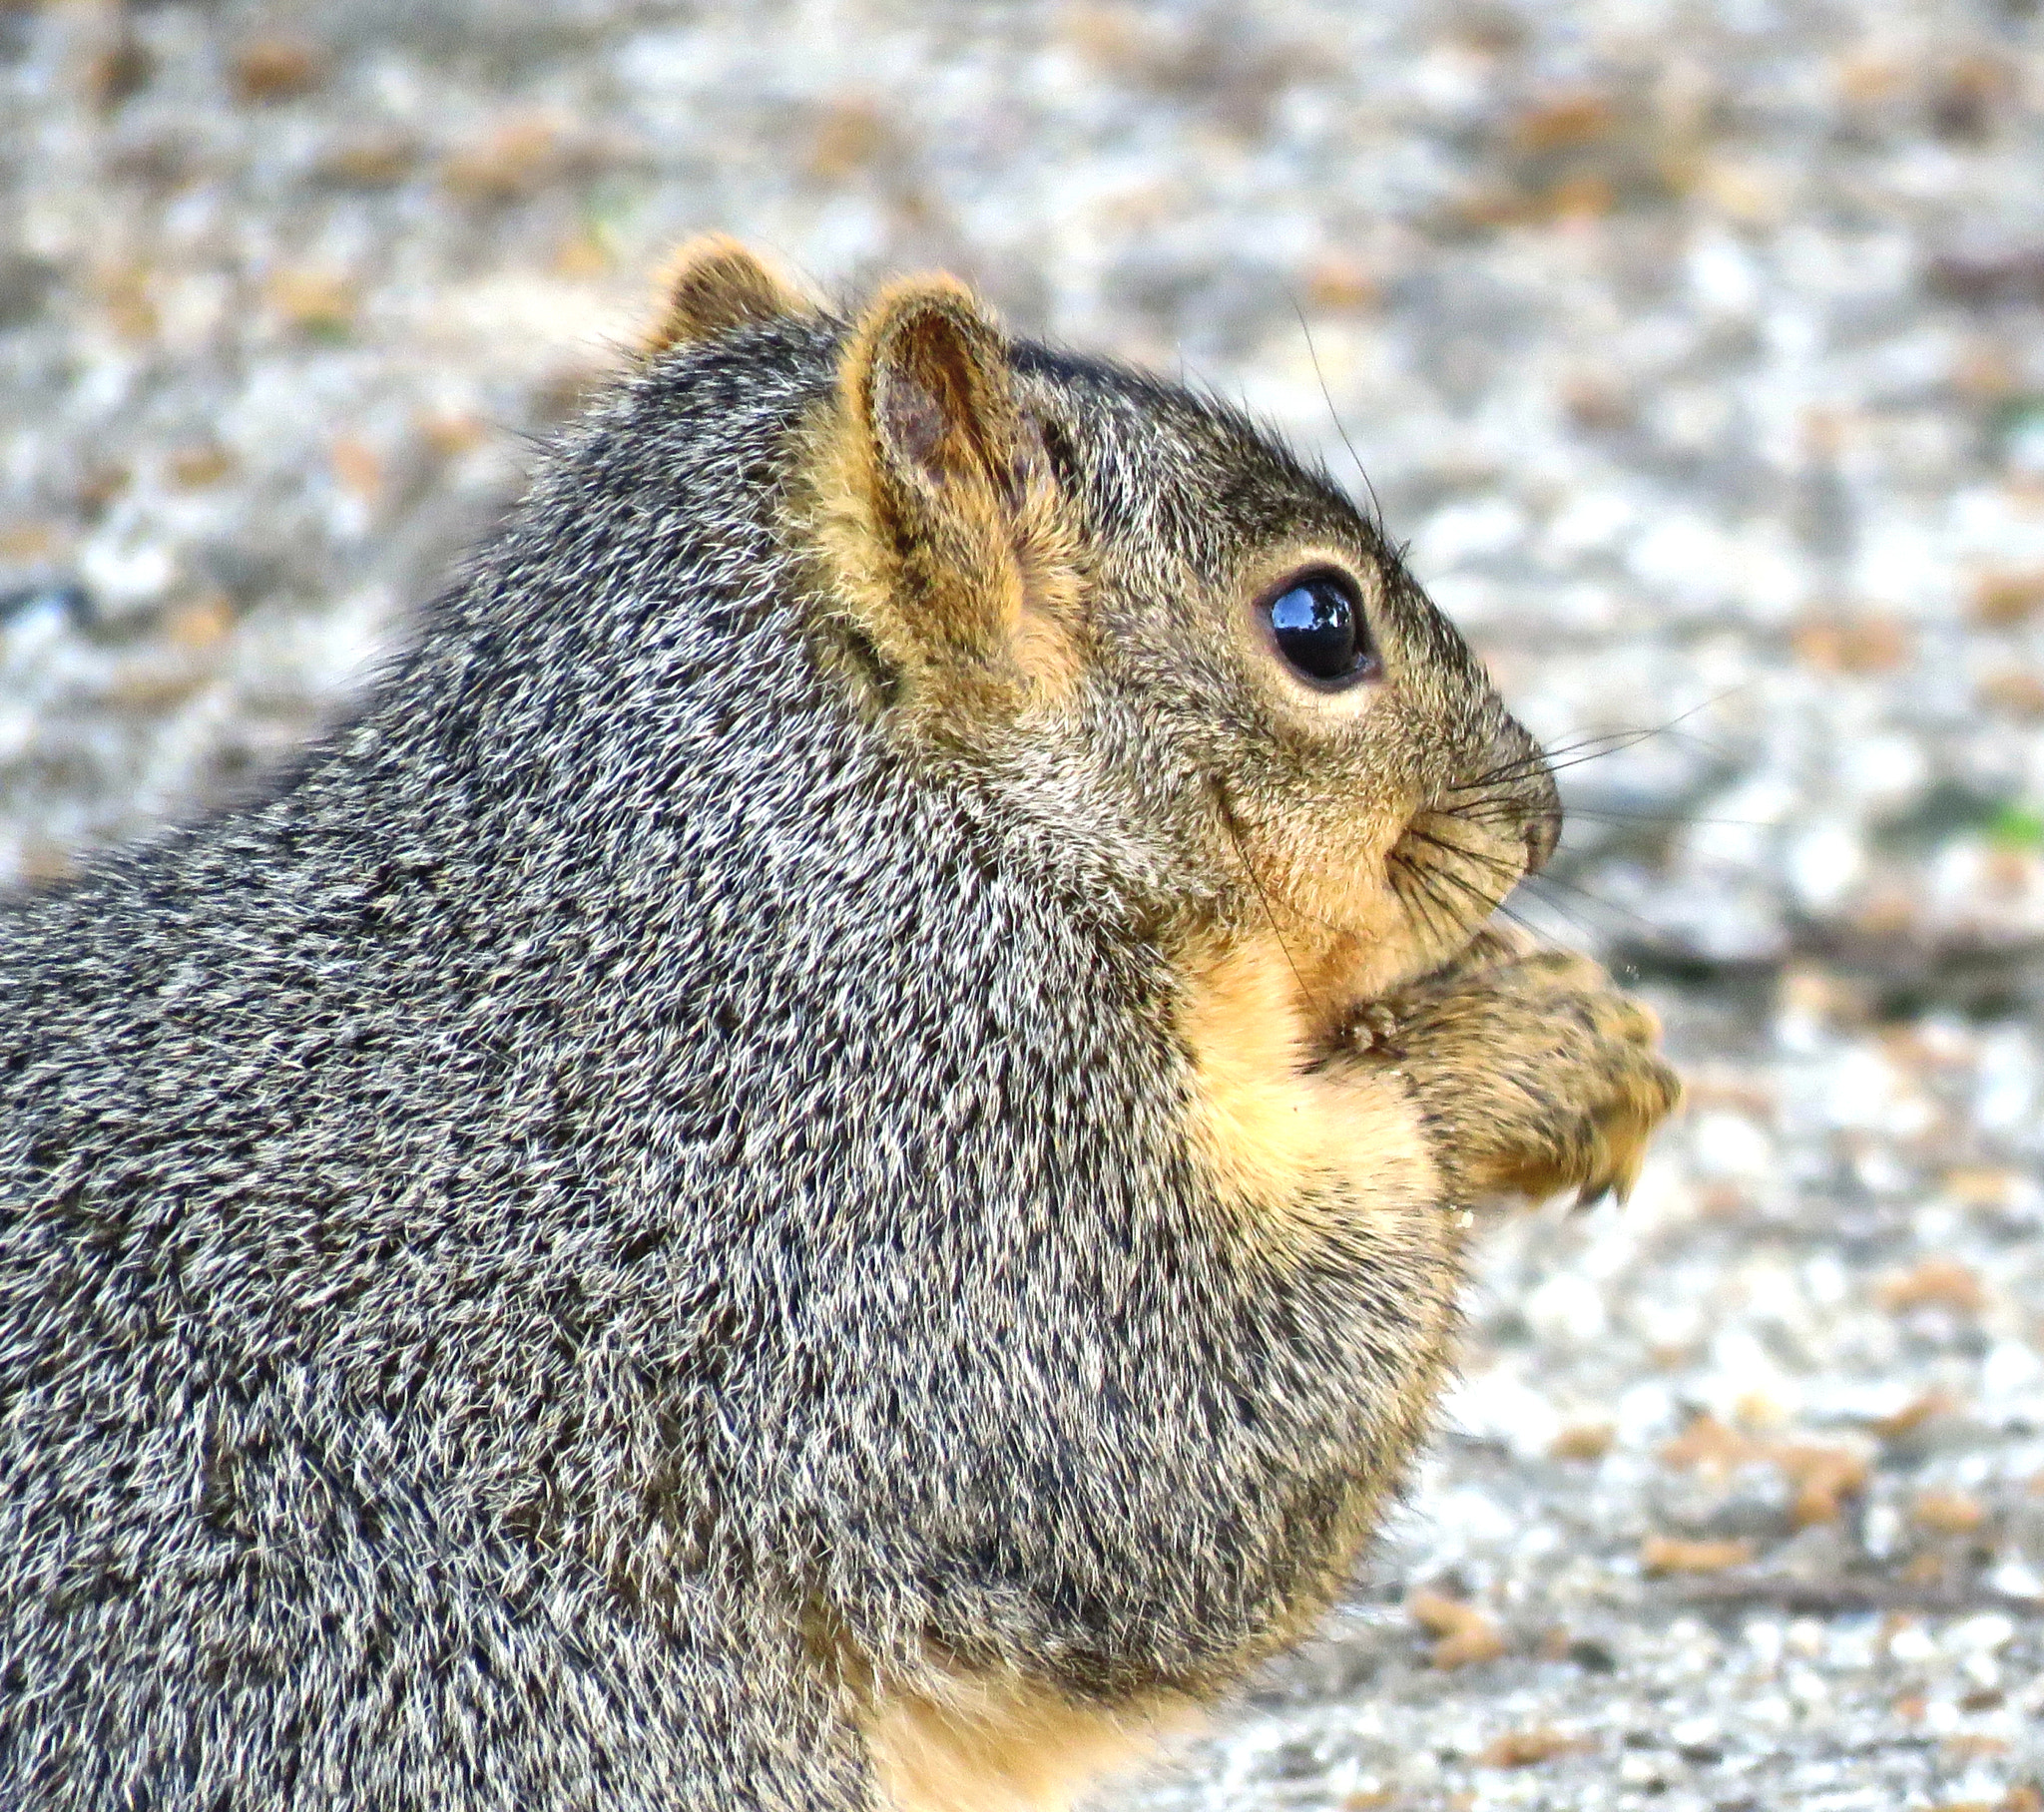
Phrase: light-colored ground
pixel 1696 349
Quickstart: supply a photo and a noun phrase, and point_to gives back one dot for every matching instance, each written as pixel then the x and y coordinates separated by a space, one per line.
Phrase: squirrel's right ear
pixel 950 539
pixel 715 286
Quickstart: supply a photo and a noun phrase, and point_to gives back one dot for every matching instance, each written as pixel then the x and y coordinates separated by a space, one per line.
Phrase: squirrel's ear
pixel 944 517
pixel 713 285
pixel 929 372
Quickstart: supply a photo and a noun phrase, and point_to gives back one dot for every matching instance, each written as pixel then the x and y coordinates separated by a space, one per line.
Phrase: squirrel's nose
pixel 1526 783
pixel 1542 833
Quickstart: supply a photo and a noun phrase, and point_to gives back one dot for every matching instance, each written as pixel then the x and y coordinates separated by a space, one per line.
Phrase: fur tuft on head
pixel 713 285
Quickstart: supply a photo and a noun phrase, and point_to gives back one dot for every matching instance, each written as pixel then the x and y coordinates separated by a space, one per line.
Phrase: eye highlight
pixel 1321 631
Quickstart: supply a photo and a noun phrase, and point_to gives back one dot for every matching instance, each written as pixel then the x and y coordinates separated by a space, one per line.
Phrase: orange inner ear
pixel 937 392
pixel 936 407
pixel 958 568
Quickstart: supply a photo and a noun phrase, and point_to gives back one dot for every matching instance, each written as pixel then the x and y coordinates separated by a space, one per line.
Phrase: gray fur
pixel 621 1180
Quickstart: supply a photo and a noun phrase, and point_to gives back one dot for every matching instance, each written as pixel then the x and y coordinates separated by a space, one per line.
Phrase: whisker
pixel 1249 868
pixel 1521 765
pixel 1498 905
pixel 1490 902
pixel 1497 865
pixel 1615 742
pixel 1516 878
pixel 1658 933
pixel 1487 811
pixel 1583 927
pixel 1589 816
pixel 1428 903
pixel 1335 415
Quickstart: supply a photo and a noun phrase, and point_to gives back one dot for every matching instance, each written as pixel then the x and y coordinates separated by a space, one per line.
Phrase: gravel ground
pixel 1696 349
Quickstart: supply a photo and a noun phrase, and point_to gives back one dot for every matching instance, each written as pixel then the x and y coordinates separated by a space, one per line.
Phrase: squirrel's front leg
pixel 1533 1074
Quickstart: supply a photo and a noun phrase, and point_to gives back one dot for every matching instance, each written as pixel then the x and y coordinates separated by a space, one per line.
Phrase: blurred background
pixel 1695 349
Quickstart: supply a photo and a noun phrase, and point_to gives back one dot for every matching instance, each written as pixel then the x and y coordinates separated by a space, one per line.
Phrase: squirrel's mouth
pixel 1421 908
pixel 1352 922
pixel 1450 872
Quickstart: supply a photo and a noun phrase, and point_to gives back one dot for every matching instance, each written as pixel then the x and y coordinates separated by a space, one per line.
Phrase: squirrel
pixel 823 1160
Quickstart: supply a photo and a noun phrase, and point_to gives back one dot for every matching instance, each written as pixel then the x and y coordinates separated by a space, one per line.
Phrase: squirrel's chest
pixel 1287 1144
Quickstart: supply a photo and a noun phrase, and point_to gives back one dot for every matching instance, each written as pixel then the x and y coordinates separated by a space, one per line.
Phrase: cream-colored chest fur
pixel 1296 1149
pixel 1006 1745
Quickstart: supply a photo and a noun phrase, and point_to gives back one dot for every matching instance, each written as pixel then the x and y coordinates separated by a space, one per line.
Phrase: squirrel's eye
pixel 1318 625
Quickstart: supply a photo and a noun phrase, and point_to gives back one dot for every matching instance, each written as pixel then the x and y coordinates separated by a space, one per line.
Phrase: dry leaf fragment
pixel 193 468
pixel 1970 1747
pixel 312 301
pixel 1667 1553
pixel 27 541
pixel 1466 1635
pixel 1583 196
pixel 1594 404
pixel 278 69
pixel 519 157
pixel 2007 600
pixel 1528 1748
pixel 1583 1441
pixel 100 483
pixel 1864 78
pixel 129 294
pixel 1564 123
pixel 119 69
pixel 1820 1477
pixel 202 623
pixel 1864 644
pixel 1981 1186
pixel 850 136
pixel 1708 1445
pixel 1342 284
pixel 2014 691
pixel 1936 1283
pixel 580 256
pixel 356 469
pixel 1966 100
pixel 1926 1570
pixel 1948 1513
pixel 372 163
pixel 1912 1416
pixel 451 434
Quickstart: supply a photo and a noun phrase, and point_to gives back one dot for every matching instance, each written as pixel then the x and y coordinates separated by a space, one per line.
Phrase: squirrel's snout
pixel 1521 787
pixel 1542 832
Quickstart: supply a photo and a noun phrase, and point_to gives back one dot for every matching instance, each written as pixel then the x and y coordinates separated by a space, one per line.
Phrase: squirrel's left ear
pixel 713 285
pixel 947 525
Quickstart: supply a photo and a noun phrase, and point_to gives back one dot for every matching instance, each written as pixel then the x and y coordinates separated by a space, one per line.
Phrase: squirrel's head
pixel 1145 638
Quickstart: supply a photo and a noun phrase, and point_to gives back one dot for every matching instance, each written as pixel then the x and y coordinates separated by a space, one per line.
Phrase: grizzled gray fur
pixel 623 1205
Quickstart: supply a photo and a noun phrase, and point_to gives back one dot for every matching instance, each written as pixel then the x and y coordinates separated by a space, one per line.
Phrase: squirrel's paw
pixel 1535 1074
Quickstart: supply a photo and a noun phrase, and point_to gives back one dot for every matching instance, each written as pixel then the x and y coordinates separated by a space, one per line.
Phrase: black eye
pixel 1321 631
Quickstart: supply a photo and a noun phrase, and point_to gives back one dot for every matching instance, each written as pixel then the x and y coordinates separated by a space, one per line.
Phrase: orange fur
pixel 968 587
pixel 1296 1146
pixel 713 285
pixel 977 1743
